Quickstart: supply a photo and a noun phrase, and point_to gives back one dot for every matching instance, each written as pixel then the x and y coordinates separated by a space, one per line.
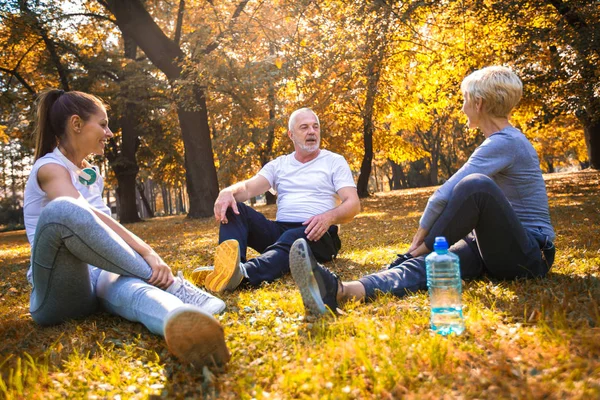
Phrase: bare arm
pixel 55 181
pixel 239 192
pixel 345 212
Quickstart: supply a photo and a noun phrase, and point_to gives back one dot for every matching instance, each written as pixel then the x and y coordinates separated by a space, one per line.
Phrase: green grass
pixel 525 339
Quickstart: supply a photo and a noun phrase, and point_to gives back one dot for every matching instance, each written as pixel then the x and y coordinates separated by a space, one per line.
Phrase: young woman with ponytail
pixel 83 259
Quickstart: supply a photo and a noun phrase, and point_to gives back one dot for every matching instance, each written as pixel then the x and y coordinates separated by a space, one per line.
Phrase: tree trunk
pixel 376 178
pixel 13 176
pixel 433 169
pixel 270 198
pixel 125 171
pixel 200 172
pixel 365 168
pixel 3 167
pixel 123 161
pixel 183 209
pixel 127 211
pixel 202 185
pixel 268 150
pixel 585 41
pixel 152 195
pixel 145 202
pixel 397 176
pixel 179 200
pixel 173 208
pixel 373 73
pixel 165 200
pixel 168 208
pixel 591 131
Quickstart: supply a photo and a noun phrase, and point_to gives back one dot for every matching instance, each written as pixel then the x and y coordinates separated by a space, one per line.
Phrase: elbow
pixel 357 209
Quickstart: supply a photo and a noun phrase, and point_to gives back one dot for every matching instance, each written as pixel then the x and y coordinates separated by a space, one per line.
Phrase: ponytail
pixel 46 139
pixel 54 108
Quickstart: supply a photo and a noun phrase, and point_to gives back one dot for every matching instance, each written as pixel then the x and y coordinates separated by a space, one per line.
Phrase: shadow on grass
pixel 559 301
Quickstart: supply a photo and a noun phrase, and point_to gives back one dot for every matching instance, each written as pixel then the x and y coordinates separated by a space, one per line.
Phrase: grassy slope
pixel 524 339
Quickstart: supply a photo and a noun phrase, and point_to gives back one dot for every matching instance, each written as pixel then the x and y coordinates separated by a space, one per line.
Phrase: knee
pixel 242 208
pixel 291 235
pixel 475 183
pixel 65 211
pixel 62 207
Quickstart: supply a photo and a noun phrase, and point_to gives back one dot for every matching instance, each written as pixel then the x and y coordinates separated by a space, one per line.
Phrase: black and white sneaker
pixel 318 286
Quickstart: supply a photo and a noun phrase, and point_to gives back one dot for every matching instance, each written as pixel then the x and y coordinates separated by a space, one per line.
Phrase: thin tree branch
pixel 50 45
pixel 20 79
pixel 180 11
pixel 91 15
pixel 240 7
pixel 21 60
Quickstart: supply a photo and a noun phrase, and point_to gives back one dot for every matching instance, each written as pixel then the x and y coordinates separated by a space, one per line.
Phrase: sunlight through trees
pixel 200 91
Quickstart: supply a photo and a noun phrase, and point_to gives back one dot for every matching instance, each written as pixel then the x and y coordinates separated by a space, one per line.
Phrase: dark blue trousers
pixel 273 239
pixel 488 238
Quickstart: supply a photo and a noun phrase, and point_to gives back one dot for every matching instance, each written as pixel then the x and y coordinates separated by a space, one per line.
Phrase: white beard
pixel 308 148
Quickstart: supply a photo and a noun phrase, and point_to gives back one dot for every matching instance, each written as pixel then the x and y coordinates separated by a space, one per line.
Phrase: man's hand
pixel 161 277
pixel 223 202
pixel 317 225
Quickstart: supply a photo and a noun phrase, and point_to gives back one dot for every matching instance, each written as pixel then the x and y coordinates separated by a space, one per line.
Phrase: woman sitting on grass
pixel 82 258
pixel 494 210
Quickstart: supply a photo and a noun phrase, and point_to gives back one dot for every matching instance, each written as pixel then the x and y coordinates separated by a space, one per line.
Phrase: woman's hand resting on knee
pixel 162 277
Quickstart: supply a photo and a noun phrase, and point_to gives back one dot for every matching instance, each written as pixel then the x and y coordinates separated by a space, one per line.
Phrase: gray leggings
pixel 77 260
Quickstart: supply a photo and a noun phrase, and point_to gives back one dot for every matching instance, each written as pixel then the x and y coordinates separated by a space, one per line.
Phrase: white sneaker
pixel 196 337
pixel 190 294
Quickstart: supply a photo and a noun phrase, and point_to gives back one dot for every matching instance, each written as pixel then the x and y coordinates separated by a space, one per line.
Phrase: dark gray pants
pixel 488 238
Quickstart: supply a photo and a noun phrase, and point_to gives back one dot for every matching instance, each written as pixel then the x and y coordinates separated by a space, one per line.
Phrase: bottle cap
pixel 440 243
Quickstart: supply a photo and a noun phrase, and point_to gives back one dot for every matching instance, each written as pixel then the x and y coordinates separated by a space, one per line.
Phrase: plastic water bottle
pixel 445 289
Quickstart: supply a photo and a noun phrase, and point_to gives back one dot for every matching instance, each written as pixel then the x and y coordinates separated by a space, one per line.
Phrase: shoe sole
pixel 227 259
pixel 196 337
pixel 199 275
pixel 302 272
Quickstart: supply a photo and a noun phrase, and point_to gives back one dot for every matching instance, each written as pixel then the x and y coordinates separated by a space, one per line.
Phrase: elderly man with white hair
pixel 316 191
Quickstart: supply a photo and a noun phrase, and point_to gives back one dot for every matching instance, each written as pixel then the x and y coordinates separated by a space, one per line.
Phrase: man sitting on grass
pixel 316 192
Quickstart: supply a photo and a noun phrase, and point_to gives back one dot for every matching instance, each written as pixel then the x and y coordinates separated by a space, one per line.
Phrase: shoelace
pixel 189 293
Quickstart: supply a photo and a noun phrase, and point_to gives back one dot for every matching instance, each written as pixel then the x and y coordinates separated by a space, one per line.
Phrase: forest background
pixel 200 91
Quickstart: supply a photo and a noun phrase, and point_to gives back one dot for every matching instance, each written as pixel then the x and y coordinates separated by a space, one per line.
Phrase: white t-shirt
pixel 309 189
pixel 36 199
